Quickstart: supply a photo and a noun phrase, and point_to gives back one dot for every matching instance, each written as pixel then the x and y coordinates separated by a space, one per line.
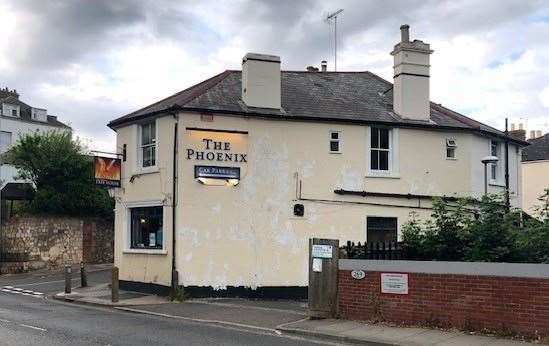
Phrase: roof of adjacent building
pixel 25 112
pixel 359 97
pixel 537 150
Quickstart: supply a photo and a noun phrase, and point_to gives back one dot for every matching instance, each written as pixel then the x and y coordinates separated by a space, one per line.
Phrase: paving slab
pixel 378 334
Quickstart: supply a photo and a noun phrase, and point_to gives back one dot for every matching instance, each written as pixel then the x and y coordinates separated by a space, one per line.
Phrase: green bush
pixel 480 231
pixel 61 175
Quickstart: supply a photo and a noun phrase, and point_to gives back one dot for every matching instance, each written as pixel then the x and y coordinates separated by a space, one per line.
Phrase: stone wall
pixel 51 242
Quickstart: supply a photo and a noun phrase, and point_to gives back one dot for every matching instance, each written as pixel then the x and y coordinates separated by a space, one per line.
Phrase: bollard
pixel 68 271
pixel 83 275
pixel 114 285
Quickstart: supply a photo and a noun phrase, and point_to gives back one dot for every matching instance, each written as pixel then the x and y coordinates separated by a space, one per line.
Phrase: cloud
pixel 91 61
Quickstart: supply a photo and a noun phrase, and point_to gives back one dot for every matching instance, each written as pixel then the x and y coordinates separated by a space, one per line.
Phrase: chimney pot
pixel 324 65
pixel 405 33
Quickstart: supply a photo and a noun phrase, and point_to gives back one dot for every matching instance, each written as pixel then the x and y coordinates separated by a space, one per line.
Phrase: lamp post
pixel 486 160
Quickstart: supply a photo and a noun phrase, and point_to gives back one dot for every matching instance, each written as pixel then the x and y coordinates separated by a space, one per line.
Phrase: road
pixel 32 319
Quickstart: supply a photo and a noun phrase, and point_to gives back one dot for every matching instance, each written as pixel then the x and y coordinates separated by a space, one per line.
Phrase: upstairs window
pixel 148 144
pixel 451 148
pixel 380 149
pixel 335 142
pixel 494 151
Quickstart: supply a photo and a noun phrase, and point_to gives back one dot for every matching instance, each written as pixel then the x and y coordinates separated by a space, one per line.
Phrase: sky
pixel 89 62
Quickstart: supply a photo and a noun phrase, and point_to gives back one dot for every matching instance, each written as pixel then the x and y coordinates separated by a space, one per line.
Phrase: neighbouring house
pixel 16 119
pixel 242 169
pixel 535 173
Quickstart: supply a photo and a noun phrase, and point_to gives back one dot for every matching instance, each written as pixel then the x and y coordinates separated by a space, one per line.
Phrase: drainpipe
pixel 175 274
pixel 507 200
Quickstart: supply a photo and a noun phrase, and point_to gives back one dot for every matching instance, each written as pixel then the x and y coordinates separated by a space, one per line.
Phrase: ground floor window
pixel 381 229
pixel 146 228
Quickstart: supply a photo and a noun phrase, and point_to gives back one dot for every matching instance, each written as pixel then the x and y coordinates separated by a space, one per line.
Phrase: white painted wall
pixel 247 235
pixel 19 128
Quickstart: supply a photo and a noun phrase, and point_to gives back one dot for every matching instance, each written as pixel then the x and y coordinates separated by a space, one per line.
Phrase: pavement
pixel 378 334
pixel 285 317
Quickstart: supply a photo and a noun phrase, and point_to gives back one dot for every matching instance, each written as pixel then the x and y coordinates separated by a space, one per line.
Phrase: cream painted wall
pixel 247 235
pixel 535 179
pixel 142 188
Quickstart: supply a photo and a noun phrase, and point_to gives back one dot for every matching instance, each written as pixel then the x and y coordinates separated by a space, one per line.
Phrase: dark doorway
pixel 381 229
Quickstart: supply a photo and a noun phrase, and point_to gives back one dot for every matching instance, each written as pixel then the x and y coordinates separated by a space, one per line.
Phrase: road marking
pixel 16 290
pixel 45 283
pixel 33 327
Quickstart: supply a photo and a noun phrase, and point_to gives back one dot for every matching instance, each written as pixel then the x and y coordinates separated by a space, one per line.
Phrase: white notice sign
pixel 394 283
pixel 322 251
pixel 317 265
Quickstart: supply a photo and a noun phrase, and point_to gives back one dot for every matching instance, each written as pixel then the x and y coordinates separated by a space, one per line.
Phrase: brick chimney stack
pixel 5 92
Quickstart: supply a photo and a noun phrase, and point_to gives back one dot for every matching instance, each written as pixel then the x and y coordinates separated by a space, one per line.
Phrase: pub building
pixel 223 183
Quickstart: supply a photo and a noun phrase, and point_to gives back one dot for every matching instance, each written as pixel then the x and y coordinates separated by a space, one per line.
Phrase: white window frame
pixel 338 140
pixel 498 166
pixel 128 228
pixel 8 145
pixel 451 144
pixel 139 149
pixel 393 171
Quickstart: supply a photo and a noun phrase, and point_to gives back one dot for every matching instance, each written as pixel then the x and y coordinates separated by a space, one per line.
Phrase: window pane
pixel 145 134
pixel 148 158
pixel 381 229
pixel 494 149
pixel 493 171
pixel 334 146
pixel 384 138
pixel 335 135
pixel 450 152
pixel 146 228
pixel 374 159
pixel 384 160
pixel 153 154
pixel 374 143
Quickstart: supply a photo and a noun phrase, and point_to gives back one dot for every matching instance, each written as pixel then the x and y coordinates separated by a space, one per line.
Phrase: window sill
pixel 496 184
pixel 143 171
pixel 451 158
pixel 335 152
pixel 145 251
pixel 388 175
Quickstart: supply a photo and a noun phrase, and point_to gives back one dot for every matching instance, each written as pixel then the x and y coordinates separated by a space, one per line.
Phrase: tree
pixel 61 175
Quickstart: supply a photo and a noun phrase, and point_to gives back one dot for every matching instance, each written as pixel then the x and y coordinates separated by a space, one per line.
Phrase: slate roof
pixel 360 97
pixel 537 150
pixel 25 113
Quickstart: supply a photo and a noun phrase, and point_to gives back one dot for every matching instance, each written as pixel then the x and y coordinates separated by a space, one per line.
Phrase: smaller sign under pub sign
pixel 358 274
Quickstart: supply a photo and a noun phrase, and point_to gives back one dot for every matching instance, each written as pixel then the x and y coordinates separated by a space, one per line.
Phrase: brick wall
pixel 515 305
pixel 51 242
